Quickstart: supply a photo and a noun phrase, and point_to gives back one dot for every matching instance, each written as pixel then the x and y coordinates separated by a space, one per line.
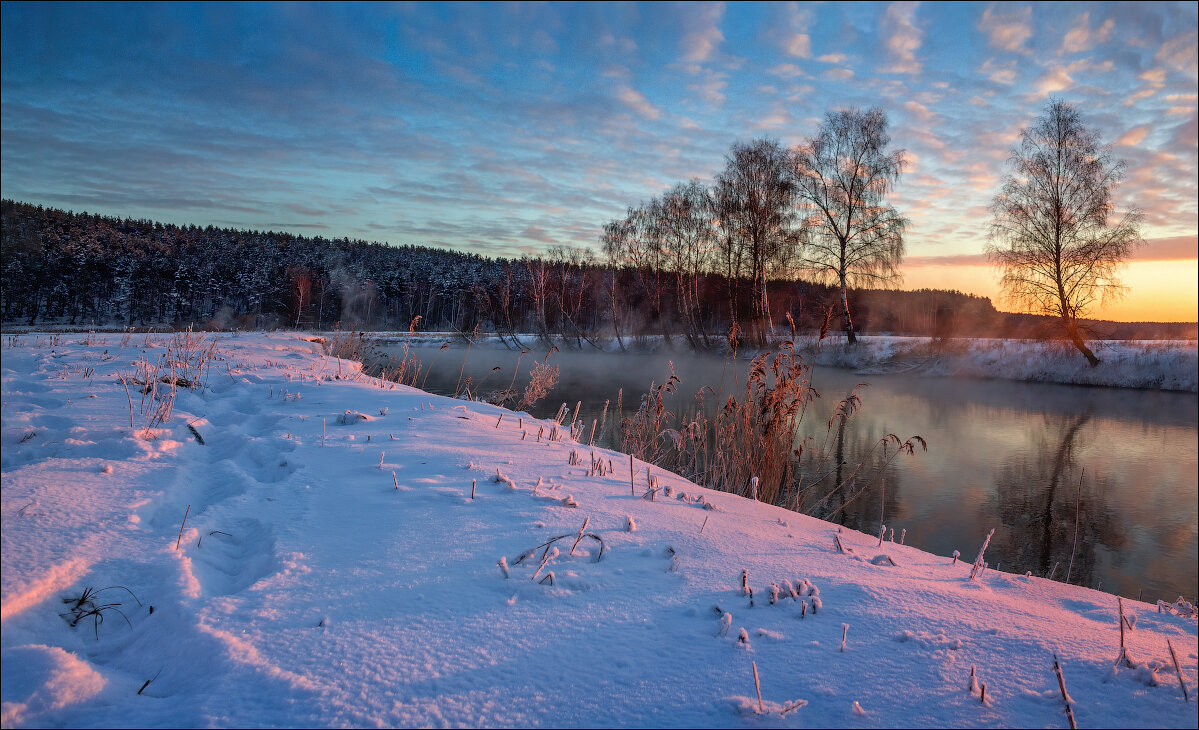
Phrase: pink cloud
pixel 904 37
pixel 1133 137
pixel 1081 37
pixel 1174 248
pixel 636 101
pixel 701 42
pixel 1007 31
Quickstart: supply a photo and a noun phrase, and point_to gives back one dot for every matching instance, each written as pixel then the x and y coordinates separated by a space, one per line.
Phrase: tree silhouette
pixel 1053 236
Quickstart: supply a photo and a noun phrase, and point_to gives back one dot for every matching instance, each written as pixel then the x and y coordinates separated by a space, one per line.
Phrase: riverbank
pixel 1171 365
pixel 339 563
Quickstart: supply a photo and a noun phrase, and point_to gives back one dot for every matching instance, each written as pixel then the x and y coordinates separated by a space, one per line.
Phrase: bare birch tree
pixel 755 197
pixel 843 176
pixel 1055 235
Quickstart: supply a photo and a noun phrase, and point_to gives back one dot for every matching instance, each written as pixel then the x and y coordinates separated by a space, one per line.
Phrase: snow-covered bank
pixel 1154 364
pixel 334 569
pixel 1145 364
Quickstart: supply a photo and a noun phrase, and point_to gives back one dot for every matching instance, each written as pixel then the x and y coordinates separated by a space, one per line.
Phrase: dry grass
pixel 753 433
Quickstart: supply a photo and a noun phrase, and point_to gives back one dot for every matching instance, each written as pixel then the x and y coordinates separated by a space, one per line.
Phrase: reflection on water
pixel 1013 456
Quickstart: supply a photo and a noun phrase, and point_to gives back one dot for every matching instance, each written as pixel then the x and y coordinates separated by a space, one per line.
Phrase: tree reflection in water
pixel 1035 497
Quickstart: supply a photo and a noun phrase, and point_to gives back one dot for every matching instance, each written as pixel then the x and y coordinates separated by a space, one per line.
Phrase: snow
pixel 307 590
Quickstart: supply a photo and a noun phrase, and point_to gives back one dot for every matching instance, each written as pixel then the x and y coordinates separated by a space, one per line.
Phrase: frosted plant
pixel 743 637
pixel 630 524
pixel 774 593
pixel 503 563
pixel 979 564
pixel 726 622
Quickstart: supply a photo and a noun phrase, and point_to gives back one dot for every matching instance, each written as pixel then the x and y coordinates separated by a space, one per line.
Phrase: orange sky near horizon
pixel 1158 291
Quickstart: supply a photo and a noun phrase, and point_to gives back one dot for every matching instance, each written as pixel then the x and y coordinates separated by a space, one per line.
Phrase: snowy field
pixel 337 567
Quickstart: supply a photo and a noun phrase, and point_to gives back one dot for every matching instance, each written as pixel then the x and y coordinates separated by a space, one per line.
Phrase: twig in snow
pixel 180 538
pixel 1061 685
pixel 758 688
pixel 472 488
pixel 198 437
pixel 844 635
pixel 701 527
pixel 1178 670
pixel 1122 621
pixel 148 681
pixel 582 530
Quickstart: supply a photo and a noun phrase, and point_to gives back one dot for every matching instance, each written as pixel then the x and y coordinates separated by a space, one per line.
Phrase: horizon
pixel 502 130
pixel 796 277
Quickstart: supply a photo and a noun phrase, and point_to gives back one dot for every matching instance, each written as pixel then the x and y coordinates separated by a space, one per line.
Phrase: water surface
pixel 1024 458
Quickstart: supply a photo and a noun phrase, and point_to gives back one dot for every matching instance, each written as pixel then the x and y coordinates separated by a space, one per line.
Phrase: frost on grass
pixel 750 706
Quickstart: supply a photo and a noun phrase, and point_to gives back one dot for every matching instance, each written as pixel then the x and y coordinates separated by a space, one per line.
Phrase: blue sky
pixel 503 129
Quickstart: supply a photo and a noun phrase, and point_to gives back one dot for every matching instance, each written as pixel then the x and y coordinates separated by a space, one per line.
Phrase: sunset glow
pixel 503 129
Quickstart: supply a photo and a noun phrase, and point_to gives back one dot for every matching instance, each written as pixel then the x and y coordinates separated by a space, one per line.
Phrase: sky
pixel 503 129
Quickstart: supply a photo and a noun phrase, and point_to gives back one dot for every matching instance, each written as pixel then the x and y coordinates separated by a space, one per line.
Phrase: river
pixel 1030 460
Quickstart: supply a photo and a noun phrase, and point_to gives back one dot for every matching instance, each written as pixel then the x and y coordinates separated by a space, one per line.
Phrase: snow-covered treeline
pixel 89 270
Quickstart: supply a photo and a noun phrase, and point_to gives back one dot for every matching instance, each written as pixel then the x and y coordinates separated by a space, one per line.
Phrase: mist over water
pixel 1005 455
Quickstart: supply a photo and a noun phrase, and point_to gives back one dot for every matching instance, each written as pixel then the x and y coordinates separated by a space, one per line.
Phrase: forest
pixel 88 270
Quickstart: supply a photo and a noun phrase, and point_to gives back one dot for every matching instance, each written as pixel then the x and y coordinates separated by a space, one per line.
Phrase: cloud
pixel 903 37
pixel 797 41
pixel 838 74
pixel 786 70
pixel 800 45
pixel 698 44
pixel 962 259
pixel 1179 53
pixel 1007 31
pixel 833 58
pixel 1054 79
pixel 1000 73
pixel 1133 137
pixel 1081 38
pixel 636 101
pixel 1174 248
pixel 710 87
pixel 919 112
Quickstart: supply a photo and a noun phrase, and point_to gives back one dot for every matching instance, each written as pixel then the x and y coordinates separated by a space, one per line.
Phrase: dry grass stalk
pixel 184 524
pixel 1178 670
pixel 758 688
pixel 1061 685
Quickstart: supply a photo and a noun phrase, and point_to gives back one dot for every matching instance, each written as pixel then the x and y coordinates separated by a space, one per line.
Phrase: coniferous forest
pixel 87 270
